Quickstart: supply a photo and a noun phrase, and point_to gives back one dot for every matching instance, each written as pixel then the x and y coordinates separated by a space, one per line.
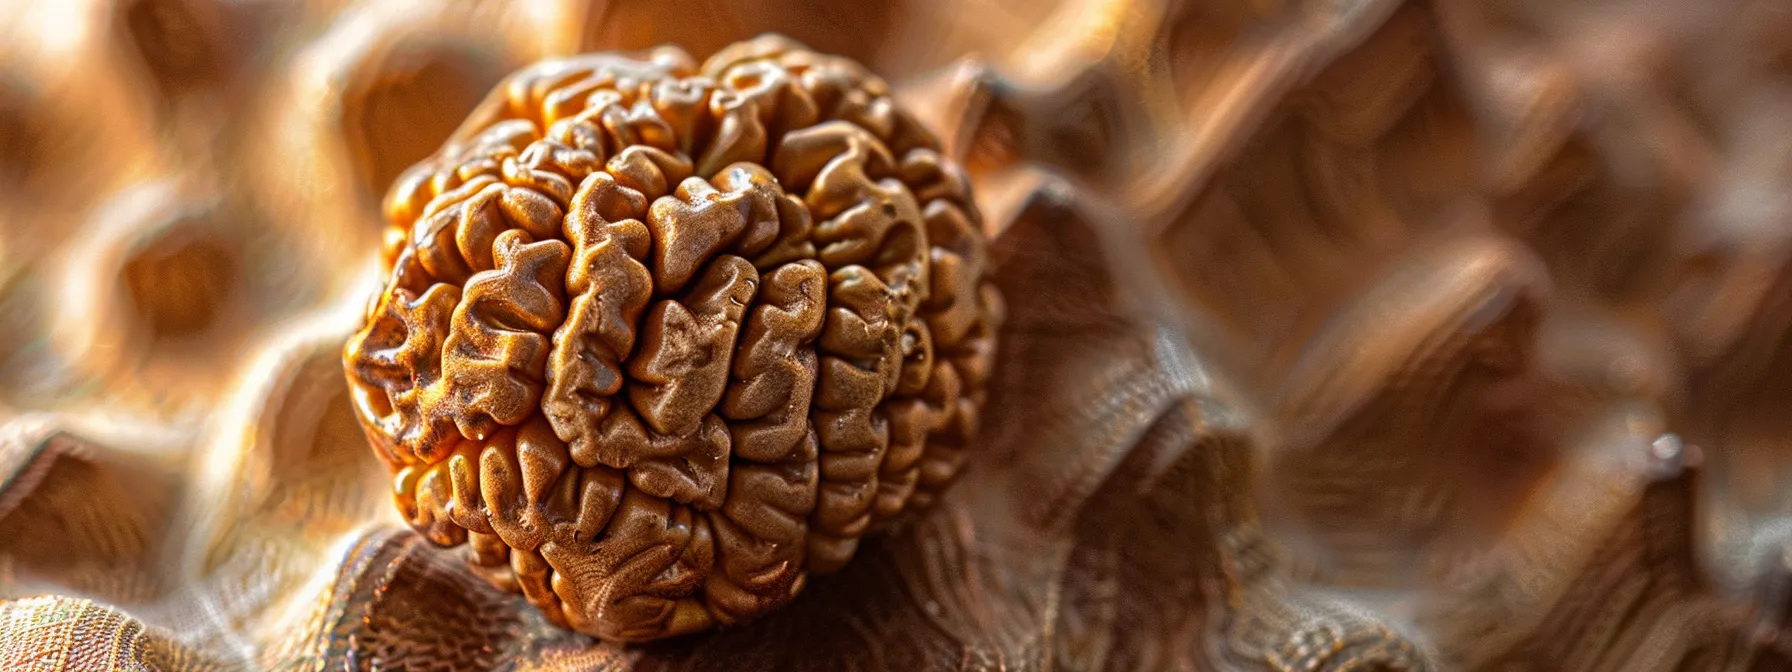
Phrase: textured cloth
pixel 62 633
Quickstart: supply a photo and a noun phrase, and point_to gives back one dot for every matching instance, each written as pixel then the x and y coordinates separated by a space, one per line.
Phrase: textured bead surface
pixel 658 341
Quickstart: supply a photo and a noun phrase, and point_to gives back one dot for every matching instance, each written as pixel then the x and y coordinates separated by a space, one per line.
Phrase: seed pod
pixel 658 341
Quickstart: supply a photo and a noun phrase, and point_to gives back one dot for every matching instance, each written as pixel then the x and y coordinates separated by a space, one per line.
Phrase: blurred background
pixel 1494 294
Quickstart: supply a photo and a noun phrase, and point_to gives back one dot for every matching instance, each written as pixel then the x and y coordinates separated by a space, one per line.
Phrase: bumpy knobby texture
pixel 658 341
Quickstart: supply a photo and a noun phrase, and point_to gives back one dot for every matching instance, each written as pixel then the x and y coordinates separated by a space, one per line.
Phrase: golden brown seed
pixel 661 340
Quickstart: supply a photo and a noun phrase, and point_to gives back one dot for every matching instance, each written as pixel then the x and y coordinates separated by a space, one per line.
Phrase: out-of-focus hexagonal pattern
pixel 1364 334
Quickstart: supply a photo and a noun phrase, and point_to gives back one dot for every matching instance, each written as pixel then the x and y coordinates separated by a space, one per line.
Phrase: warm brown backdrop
pixel 1432 334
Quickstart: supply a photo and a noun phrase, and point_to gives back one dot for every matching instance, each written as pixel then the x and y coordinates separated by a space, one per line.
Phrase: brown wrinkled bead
pixel 659 340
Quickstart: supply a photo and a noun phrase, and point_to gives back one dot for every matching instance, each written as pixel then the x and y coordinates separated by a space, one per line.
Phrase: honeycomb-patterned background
pixel 1347 334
